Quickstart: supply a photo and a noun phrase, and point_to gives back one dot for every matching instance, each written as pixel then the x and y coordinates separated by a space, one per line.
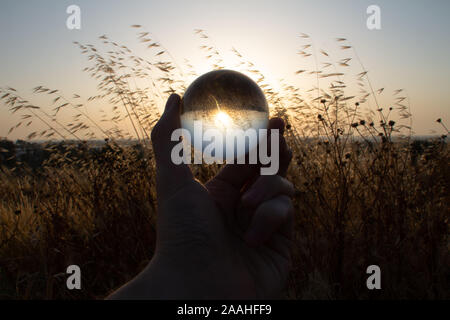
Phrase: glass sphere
pixel 227 101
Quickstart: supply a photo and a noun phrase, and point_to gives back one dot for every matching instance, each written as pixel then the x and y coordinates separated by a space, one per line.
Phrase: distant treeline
pixel 33 155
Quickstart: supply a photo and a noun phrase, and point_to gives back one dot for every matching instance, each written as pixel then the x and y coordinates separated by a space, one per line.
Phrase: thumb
pixel 169 176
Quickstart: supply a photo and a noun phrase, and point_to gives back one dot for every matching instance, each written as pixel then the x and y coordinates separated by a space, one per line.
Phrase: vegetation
pixel 367 191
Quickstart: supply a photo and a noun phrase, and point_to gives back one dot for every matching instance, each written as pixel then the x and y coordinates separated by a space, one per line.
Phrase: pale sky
pixel 411 50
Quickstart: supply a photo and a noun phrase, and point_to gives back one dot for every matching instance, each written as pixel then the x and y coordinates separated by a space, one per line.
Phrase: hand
pixel 228 239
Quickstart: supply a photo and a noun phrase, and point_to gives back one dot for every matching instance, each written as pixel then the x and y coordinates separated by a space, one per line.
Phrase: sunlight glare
pixel 223 120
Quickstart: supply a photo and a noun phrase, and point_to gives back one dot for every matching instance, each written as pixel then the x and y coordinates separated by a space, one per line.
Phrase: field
pixel 367 191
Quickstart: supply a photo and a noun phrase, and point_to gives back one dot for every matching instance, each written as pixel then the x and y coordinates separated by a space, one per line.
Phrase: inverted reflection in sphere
pixel 228 101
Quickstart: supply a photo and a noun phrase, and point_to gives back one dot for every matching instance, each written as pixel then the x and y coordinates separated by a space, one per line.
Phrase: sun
pixel 223 120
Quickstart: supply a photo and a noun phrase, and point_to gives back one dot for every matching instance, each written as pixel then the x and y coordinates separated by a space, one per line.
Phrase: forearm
pixel 170 281
pixel 153 283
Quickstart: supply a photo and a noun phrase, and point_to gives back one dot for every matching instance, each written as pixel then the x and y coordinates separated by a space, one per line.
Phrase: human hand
pixel 227 239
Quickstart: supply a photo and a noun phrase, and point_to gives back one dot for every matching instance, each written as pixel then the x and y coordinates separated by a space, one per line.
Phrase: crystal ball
pixel 229 102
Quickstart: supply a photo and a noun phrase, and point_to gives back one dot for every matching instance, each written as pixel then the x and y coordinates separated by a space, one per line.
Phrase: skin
pixel 227 239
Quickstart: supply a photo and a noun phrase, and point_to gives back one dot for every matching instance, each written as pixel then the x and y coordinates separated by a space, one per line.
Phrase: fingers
pixel 266 188
pixel 169 176
pixel 270 217
pixel 238 175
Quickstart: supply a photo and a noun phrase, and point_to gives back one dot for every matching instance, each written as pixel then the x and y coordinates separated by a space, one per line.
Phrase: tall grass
pixel 367 192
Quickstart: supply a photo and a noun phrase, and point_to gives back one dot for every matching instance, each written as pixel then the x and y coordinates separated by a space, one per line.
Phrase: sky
pixel 410 51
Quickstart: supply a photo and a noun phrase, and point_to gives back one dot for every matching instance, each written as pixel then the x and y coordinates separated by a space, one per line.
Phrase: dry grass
pixel 366 192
